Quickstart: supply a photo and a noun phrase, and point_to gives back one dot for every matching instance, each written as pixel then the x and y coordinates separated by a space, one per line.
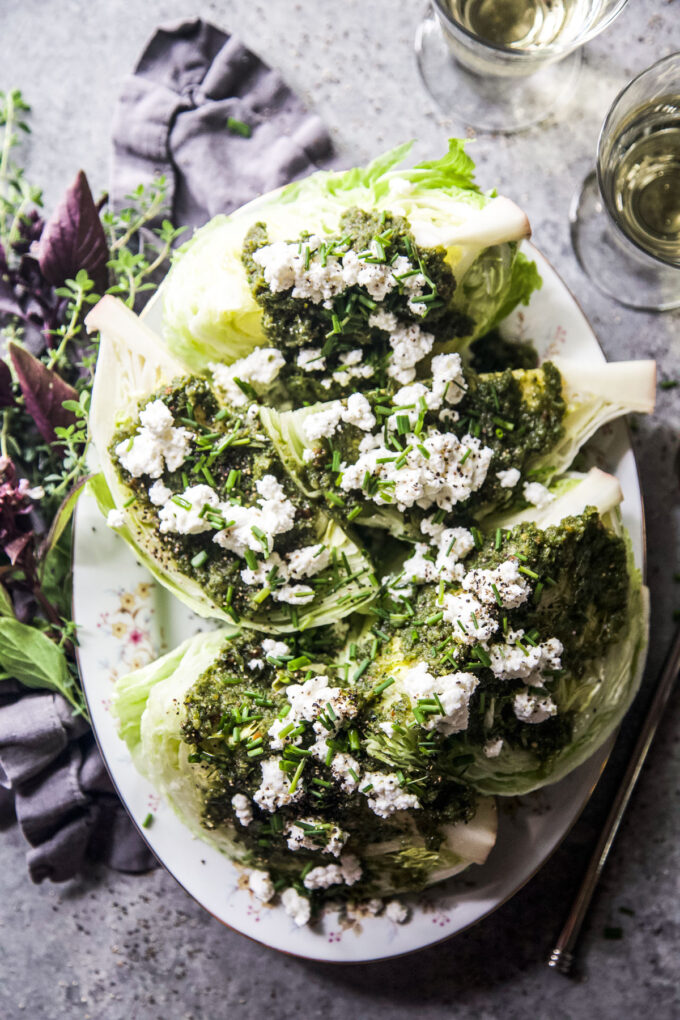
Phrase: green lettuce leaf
pixel 209 313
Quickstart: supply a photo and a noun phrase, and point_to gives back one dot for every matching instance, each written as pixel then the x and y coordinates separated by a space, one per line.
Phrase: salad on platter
pixel 422 600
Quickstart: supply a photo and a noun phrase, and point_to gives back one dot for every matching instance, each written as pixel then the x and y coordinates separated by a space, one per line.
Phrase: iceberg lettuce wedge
pixel 178 717
pixel 544 625
pixel 200 558
pixel 455 443
pixel 210 313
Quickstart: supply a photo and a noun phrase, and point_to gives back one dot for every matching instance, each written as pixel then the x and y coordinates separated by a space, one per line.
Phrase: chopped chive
pixel 496 595
pixel 129 502
pixel 232 479
pixel 499 538
pixel 333 498
pixel 465 456
pixel 529 573
pixel 538 592
pixel 365 663
pixel 435 618
pixel 148 821
pixel 183 503
pixel 296 777
pixel 261 596
pixel 383 686
pixel 199 559
pixel 354 512
pixel 367 788
pixel 239 127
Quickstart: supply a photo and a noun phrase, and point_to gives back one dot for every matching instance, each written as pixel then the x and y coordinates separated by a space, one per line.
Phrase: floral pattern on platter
pixel 129 623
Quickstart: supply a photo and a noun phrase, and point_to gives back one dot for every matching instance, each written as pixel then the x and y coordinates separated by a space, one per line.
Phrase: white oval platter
pixel 124 620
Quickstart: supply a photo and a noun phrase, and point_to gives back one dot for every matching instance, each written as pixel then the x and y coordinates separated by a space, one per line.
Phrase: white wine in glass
pixel 503 65
pixel 641 177
pixel 625 222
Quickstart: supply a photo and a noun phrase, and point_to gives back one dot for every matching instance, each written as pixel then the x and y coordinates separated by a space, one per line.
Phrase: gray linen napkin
pixel 171 119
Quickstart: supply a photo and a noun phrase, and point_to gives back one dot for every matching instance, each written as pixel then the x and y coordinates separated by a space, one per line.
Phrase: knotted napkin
pixel 222 127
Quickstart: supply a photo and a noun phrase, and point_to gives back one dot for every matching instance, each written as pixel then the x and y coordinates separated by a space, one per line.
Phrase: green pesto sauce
pixel 519 415
pixel 293 324
pixel 582 601
pixel 494 353
pixel 194 406
pixel 231 705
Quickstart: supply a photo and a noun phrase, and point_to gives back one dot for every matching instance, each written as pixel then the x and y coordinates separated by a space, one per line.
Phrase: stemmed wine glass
pixel 625 221
pixel 503 65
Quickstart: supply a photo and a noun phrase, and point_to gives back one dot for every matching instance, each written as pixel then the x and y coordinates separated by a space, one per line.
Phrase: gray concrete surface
pixel 131 948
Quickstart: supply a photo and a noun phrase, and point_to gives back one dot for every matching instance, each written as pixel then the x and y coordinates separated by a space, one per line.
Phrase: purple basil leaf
pixel 44 392
pixel 74 238
pixel 6 394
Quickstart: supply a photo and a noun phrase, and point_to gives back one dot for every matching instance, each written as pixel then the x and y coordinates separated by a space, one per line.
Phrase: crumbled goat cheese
pixel 445 474
pixel 256 664
pixel 157 443
pixel 493 748
pixel 342 766
pixel 530 707
pixel 299 838
pixel 509 478
pixel 447 415
pixel 115 518
pixel 351 368
pixel 296 906
pixel 189 519
pixel 511 661
pixel 310 699
pixel 377 278
pixel 294 594
pixel 308 560
pixel 454 691
pixel 385 795
pixel 448 380
pixel 451 545
pixel 370 442
pixel 387 321
pixel 159 494
pixel 358 412
pixel 472 620
pixel 322 424
pixel 261 885
pixel 347 872
pixel 276 741
pixel 410 344
pixel 273 514
pixel 243 809
pixel 397 912
pixel 260 367
pixel 311 360
pixel 273 791
pixel 512 587
pixel 277 649
pixel 537 494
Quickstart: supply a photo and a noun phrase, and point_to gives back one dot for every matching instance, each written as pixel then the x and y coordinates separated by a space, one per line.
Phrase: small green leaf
pixel 30 657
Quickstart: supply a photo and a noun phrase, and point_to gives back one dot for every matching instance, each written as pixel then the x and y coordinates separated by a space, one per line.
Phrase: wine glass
pixel 504 65
pixel 625 221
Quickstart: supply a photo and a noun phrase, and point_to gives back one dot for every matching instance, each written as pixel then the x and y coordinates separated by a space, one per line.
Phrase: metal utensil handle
pixel 562 957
